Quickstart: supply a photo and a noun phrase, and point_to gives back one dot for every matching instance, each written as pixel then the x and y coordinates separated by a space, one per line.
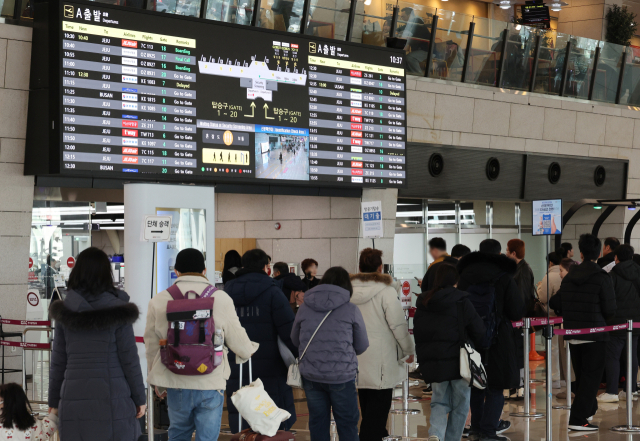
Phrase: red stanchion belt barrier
pixel 538 322
pixel 139 339
pixel 25 322
pixel 590 330
pixel 636 325
pixel 26 345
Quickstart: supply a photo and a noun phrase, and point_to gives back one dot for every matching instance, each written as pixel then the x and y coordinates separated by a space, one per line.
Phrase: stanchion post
pixel 150 422
pixel 527 373
pixel 549 336
pixel 405 398
pixel 629 427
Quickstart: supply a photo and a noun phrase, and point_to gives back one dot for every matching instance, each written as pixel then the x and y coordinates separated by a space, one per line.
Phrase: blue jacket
pixel 265 314
pixel 332 355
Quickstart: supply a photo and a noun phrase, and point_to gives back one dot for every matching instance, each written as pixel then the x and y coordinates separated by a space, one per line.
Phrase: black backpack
pixel 483 298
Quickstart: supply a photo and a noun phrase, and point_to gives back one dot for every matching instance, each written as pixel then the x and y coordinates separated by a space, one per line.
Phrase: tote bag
pixel 471 367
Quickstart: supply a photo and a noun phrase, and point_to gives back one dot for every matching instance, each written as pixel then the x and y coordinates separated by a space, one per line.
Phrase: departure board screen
pixel 149 93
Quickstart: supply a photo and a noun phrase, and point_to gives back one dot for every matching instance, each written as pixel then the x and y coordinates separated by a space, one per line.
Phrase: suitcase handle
pixel 239 415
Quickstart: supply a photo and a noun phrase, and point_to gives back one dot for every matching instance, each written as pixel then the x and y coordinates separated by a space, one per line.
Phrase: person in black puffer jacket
pixel 265 314
pixel 95 380
pixel 626 283
pixel 586 299
pixel 486 267
pixel 436 332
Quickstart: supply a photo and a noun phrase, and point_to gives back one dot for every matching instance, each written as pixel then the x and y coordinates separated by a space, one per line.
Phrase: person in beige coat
pixel 382 366
pixel 195 402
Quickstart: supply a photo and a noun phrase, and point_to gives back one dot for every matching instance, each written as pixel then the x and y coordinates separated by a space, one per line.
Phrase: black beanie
pixel 190 260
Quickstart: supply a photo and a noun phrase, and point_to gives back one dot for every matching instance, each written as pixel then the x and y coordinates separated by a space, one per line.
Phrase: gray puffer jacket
pixel 95 377
pixel 332 354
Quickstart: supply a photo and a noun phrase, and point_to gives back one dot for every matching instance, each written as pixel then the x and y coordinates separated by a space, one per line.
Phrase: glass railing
pixel 459 47
pixel 486 51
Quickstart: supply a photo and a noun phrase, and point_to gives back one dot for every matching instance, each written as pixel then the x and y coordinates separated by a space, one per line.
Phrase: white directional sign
pixel 372 219
pixel 156 228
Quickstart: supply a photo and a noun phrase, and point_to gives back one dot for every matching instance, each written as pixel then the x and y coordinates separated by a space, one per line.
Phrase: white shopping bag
pixel 256 406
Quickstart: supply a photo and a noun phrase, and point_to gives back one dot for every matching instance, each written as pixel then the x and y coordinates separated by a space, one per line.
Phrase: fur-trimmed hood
pixel 482 267
pixel 372 277
pixel 368 285
pixel 98 313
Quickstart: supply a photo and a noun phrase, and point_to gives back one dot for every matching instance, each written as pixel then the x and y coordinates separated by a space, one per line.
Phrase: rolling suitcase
pixel 250 435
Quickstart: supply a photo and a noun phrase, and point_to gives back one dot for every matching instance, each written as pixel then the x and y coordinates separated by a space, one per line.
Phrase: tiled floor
pixel 522 429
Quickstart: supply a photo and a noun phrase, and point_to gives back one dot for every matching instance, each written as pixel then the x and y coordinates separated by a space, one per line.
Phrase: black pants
pixel 616 350
pixel 375 405
pixel 588 361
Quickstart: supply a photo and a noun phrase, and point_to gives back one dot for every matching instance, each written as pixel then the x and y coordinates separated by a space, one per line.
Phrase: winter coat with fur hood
pixel 95 380
pixel 382 364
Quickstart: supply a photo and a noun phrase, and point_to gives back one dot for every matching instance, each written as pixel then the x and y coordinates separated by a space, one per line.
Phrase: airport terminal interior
pixel 315 129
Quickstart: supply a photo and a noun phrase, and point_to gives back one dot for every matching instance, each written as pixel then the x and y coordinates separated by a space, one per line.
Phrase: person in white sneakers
pixel 16 421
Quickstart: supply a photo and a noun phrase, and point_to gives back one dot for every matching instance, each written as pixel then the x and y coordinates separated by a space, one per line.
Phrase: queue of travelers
pixel 348 331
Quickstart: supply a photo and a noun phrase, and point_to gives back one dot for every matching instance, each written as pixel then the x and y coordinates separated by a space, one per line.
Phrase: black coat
pixel 289 282
pixel 265 314
pixel 430 276
pixel 606 260
pixel 437 336
pixel 229 274
pixel 626 283
pixel 500 359
pixel 95 380
pixel 524 279
pixel 586 299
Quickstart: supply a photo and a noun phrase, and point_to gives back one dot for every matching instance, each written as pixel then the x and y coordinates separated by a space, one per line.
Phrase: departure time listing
pixel 281 107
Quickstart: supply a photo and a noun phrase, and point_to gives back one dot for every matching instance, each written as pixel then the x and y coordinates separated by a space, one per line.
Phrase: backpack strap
pixel 461 332
pixel 208 291
pixel 175 292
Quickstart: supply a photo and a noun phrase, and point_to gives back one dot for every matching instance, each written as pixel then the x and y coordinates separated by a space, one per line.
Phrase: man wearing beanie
pixel 195 402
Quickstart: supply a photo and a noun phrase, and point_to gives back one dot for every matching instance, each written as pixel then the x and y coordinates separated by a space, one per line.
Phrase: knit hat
pixel 190 260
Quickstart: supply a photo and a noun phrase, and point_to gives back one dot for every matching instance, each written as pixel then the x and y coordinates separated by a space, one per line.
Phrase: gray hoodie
pixel 332 355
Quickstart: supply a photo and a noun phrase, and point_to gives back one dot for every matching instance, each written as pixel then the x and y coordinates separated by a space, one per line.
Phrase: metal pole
pixel 549 336
pixel 621 77
pixel 592 84
pixel 394 21
pixel 305 16
pixel 503 57
pixel 256 13
pixel 352 17
pixel 629 427
pixel 565 68
pixel 472 27
pixel 527 373
pixel 567 375
pixel 150 422
pixel 405 398
pixel 434 29
pixel 534 68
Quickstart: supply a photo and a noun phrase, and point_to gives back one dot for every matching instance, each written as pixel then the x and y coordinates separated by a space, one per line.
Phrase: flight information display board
pixel 146 93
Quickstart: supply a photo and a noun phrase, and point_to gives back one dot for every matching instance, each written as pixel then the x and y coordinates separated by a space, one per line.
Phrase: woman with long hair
pixel 232 263
pixel 16 420
pixel 95 381
pixel 436 328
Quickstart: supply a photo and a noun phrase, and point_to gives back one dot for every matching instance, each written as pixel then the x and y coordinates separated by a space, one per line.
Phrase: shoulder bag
pixel 471 368
pixel 294 379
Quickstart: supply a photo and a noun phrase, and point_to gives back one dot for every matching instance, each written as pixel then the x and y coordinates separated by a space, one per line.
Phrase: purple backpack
pixel 189 349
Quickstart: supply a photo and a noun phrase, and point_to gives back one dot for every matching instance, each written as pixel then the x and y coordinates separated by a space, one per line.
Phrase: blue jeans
pixel 449 398
pixel 343 399
pixel 486 409
pixel 199 410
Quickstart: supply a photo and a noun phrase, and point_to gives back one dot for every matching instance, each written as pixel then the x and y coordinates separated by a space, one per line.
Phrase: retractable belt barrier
pixel 26 345
pixel 537 322
pixel 26 322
